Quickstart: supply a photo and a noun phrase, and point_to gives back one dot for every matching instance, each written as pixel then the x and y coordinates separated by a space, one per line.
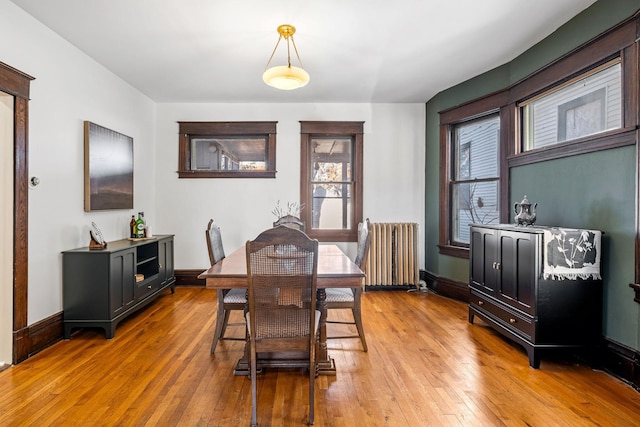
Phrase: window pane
pixel 331 206
pixel 473 203
pixel 331 181
pixel 229 153
pixel 476 148
pixel 331 159
pixel 590 105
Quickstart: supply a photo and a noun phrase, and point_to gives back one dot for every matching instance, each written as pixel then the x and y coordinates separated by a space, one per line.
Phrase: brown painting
pixel 108 169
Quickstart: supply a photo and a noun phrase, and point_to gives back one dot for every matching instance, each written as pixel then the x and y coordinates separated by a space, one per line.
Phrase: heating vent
pixel 393 255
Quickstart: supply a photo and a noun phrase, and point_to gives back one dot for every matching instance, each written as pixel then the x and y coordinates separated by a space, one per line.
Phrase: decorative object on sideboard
pixel 286 77
pixel 97 240
pixel 526 215
pixel 132 227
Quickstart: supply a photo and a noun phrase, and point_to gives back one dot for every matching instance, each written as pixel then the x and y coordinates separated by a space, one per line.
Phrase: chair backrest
pixel 290 221
pixel 282 266
pixel 364 241
pixel 214 242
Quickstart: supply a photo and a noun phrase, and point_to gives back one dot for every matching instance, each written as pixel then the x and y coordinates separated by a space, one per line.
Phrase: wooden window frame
pixel 619 41
pixel 448 120
pixel 188 130
pixel 309 130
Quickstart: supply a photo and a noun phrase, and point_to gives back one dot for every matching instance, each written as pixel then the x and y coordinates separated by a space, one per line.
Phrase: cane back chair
pixel 282 265
pixel 349 298
pixel 228 299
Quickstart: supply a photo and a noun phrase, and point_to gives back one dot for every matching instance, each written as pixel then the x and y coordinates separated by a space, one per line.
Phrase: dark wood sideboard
pixel 507 290
pixel 102 287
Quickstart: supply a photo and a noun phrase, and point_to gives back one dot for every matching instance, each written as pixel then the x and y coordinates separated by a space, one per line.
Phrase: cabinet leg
pixel 471 317
pixel 534 358
pixel 110 331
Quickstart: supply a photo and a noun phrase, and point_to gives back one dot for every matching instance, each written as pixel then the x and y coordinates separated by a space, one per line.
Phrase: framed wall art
pixel 108 169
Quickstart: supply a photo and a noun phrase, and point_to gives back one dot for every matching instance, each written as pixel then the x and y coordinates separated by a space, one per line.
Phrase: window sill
pixel 455 251
pixel 333 235
pixel 604 141
pixel 226 174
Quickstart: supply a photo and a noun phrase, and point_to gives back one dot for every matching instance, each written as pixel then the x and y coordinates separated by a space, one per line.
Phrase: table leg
pixel 326 365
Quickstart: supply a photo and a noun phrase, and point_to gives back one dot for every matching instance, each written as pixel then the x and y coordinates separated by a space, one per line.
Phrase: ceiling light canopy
pixel 286 77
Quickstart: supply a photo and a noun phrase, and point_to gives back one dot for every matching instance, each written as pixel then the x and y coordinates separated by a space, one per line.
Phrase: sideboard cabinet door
pixel 165 257
pixel 122 281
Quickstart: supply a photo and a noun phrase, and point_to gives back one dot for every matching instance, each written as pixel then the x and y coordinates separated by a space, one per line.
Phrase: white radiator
pixel 393 255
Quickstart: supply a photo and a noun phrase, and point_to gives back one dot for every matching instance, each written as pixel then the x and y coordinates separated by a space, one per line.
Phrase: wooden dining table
pixel 335 270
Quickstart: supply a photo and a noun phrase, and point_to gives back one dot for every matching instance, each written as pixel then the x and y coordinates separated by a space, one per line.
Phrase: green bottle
pixel 139 226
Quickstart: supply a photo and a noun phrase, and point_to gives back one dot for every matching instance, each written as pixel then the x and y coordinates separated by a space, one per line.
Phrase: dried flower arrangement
pixel 293 208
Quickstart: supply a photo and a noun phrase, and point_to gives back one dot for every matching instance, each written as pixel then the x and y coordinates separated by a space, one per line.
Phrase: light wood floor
pixel 426 366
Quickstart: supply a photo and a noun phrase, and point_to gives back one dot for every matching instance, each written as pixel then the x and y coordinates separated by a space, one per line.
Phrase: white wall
pixel 394 159
pixel 69 87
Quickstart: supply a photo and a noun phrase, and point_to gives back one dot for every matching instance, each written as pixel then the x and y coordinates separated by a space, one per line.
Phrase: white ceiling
pixel 355 50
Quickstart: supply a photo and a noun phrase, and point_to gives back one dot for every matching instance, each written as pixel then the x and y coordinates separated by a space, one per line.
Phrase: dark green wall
pixel 595 190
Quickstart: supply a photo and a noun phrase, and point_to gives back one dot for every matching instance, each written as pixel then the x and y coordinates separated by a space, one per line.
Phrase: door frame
pixel 17 83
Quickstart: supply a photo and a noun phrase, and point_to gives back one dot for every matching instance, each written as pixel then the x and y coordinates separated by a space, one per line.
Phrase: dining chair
pixel 228 299
pixel 282 269
pixel 290 221
pixel 350 298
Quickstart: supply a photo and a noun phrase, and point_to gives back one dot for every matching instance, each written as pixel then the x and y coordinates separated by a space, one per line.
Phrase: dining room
pixel 339 151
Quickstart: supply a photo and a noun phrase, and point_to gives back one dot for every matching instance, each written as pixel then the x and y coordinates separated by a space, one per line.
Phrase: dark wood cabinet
pixel 100 287
pixel 507 290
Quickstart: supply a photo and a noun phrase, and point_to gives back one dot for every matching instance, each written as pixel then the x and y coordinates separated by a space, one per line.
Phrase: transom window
pixel 227 150
pixel 586 105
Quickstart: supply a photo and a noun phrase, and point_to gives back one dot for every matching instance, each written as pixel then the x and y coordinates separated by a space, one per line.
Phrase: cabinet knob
pixel 497 267
pixel 148 286
pixel 480 302
pixel 512 320
pixel 160 265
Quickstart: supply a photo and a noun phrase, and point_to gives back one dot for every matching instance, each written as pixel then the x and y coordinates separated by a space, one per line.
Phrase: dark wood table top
pixel 335 270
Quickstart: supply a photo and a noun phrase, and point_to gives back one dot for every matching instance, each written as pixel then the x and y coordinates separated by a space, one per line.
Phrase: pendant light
pixel 286 77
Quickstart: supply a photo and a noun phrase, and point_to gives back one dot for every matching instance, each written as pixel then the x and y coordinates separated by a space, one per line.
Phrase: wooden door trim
pixel 17 83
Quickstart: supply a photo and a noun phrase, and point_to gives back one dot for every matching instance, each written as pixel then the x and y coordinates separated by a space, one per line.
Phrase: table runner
pixel 571 254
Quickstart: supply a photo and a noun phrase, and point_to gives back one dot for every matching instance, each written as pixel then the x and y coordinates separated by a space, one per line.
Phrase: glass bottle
pixel 132 226
pixel 144 225
pixel 139 226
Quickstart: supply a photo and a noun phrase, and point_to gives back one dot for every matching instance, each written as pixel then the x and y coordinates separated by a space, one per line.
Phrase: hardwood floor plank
pixel 426 366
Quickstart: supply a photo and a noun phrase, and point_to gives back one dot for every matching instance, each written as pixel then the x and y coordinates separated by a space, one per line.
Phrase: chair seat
pixel 236 296
pixel 339 295
pixel 315 329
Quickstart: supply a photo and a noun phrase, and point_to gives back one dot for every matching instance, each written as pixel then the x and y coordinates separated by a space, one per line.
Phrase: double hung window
pixel 474 194
pixel 331 179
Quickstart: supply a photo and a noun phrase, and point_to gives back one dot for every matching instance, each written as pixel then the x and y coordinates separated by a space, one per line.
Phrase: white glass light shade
pixel 285 77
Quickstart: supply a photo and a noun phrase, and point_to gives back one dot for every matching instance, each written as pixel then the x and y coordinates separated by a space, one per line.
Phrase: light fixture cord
pixel 273 53
pixel 296 50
